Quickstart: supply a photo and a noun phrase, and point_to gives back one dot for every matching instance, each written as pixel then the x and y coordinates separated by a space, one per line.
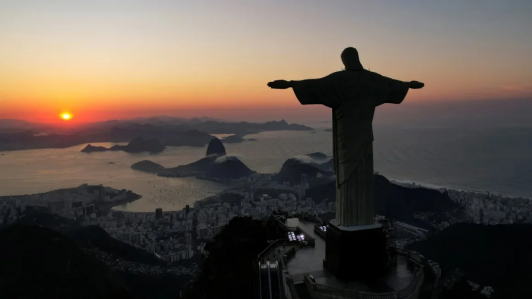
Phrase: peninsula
pixel 215 165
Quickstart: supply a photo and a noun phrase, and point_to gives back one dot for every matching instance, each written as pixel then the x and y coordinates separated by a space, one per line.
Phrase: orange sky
pixel 100 60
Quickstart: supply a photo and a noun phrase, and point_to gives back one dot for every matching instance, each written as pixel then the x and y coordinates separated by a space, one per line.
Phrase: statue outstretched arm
pixel 415 85
pixel 321 91
pixel 325 82
pixel 280 84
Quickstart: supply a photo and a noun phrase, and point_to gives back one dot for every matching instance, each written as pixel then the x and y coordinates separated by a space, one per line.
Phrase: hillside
pixel 495 255
pixel 95 236
pixel 229 167
pixel 400 202
pixel 40 263
pixel 293 168
pixel 89 237
pixel 227 272
pixel 49 221
pixel 216 164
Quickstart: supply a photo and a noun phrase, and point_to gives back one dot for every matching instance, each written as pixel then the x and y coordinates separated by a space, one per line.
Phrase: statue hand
pixel 279 84
pixel 416 85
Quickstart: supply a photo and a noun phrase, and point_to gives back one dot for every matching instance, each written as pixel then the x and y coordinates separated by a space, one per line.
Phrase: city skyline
pixel 100 60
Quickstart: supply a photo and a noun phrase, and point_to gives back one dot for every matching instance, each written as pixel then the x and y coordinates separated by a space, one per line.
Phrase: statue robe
pixel 353 96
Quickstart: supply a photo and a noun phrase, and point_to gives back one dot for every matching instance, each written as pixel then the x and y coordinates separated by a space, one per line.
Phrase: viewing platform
pixel 304 276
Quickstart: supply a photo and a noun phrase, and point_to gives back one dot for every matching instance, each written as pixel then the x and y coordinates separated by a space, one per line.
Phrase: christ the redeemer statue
pixel 353 95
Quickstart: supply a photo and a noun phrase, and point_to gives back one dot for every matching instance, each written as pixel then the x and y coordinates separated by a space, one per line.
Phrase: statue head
pixel 350 59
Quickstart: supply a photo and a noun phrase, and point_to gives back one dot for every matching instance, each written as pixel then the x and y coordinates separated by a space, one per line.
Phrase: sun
pixel 66 116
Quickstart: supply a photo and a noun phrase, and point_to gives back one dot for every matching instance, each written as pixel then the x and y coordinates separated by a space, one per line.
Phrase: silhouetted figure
pixel 353 95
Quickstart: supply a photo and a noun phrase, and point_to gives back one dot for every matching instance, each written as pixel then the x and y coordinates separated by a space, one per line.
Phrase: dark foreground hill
pixel 89 237
pixel 499 256
pixel 95 236
pixel 40 263
pixel 227 272
pixel 49 221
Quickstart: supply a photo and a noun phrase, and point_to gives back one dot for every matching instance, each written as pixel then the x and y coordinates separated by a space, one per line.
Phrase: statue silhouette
pixel 353 95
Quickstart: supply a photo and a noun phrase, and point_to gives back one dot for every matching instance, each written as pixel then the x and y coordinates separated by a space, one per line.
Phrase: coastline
pixel 110 206
pixel 408 183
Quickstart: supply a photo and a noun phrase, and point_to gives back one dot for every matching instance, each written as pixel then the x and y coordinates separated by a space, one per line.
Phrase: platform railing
pixel 272 246
pixel 412 288
pixel 345 293
pixel 405 293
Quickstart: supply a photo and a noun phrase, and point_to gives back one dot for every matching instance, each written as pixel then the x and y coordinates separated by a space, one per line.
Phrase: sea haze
pixel 496 160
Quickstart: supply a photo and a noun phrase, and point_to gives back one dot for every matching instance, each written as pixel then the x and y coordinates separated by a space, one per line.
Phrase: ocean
pixel 495 160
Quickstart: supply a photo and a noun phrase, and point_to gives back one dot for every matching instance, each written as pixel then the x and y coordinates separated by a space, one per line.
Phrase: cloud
pixel 304 159
pixel 227 157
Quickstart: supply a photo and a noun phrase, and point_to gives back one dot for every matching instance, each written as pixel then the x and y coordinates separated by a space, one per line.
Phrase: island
pixel 233 139
pixel 137 145
pixel 148 166
pixel 92 149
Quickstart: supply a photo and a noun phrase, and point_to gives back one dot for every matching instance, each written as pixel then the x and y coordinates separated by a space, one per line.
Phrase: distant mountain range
pixel 169 131
pixel 18 124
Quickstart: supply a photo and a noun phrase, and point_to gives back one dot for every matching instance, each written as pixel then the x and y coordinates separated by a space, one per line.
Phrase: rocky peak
pixel 216 147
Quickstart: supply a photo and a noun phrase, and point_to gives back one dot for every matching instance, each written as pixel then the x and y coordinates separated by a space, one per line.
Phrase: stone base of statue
pixel 357 252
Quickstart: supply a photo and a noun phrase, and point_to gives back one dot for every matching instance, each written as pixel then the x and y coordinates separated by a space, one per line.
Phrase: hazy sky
pixel 105 59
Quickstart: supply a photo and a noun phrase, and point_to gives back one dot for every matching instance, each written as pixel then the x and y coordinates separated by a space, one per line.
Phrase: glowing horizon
pixel 82 56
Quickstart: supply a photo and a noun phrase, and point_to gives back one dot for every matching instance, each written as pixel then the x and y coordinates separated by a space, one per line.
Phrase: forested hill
pixel 499 256
pixel 227 272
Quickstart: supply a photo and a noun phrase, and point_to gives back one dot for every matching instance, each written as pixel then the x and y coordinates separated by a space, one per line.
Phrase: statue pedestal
pixel 356 252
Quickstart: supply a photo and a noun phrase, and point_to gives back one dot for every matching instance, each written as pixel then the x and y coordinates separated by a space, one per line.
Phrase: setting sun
pixel 66 116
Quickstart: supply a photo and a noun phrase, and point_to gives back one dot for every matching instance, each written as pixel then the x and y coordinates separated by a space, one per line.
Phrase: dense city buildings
pixel 177 236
